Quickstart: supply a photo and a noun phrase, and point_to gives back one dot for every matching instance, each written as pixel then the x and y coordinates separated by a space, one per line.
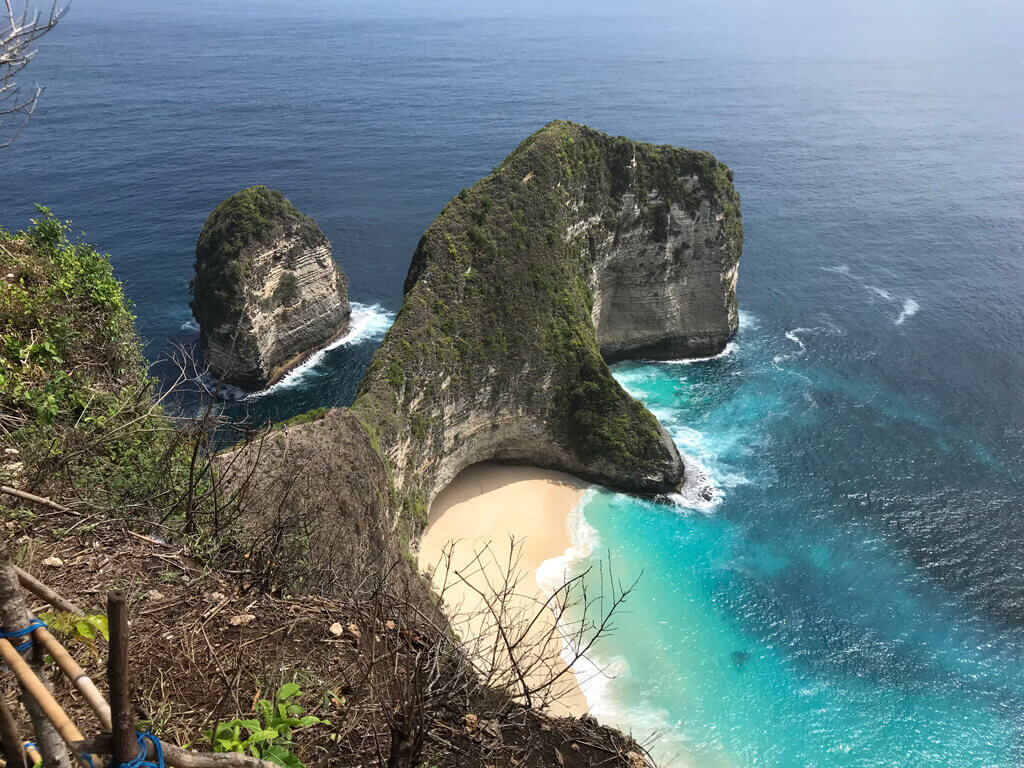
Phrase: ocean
pixel 854 594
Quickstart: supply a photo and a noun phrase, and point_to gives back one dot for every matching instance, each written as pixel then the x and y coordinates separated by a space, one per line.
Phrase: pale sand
pixel 486 505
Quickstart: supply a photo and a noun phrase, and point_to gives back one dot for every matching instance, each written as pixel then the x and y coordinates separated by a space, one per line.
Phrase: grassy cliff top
pixel 249 217
pixel 497 297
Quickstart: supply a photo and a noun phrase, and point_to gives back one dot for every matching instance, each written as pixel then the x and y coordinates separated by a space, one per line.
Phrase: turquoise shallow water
pixel 784 624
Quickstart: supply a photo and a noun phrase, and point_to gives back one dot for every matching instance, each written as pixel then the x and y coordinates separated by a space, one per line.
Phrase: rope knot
pixel 32 627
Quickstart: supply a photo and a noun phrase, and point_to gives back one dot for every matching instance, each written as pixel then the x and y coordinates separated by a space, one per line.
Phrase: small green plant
pixel 269 735
pixel 80 630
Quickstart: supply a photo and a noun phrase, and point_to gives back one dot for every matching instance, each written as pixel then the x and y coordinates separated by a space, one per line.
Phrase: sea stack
pixel 266 292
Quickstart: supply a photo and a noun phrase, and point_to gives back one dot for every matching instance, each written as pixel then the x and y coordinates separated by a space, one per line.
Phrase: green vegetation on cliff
pixel 77 414
pixel 250 216
pixel 498 304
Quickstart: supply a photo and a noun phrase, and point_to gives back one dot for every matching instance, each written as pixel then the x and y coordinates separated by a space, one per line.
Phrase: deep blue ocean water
pixel 855 595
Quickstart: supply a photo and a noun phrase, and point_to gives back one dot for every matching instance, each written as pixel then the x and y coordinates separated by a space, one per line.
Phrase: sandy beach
pixel 466 547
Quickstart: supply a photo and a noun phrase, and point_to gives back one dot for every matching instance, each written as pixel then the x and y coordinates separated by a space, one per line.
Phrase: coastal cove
pixel 841 586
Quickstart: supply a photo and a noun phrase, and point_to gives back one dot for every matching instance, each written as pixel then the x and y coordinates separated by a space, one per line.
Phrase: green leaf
pixel 85 629
pixel 263 735
pixel 252 725
pixel 281 756
pixel 308 720
pixel 287 691
pixel 99 621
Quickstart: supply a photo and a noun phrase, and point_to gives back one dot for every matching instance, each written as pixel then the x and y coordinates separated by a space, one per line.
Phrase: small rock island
pixel 266 292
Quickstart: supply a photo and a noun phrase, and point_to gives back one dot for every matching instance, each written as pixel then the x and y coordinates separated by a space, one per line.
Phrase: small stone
pixel 215 597
pixel 636 760
pixel 12 451
pixel 390 626
pixel 354 630
pixel 241 619
pixel 575 747
pixel 53 562
pixel 336 629
pixel 470 721
pixel 154 595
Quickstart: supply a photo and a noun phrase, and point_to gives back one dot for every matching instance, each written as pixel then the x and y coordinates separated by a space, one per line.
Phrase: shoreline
pixel 466 548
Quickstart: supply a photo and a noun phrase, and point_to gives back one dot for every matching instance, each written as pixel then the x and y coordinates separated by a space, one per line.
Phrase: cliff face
pixel 578 245
pixel 266 292
pixel 664 288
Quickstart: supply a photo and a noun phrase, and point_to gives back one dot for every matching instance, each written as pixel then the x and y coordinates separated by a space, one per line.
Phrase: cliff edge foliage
pixel 493 354
pixel 76 410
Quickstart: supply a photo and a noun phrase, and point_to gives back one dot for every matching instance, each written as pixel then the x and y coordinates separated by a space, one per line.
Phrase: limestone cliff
pixel 266 292
pixel 578 245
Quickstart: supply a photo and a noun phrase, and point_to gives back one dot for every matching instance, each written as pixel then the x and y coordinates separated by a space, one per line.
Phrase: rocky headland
pixel 579 248
pixel 266 292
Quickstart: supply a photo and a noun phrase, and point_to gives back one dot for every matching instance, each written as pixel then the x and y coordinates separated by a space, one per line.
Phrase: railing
pixel 55 734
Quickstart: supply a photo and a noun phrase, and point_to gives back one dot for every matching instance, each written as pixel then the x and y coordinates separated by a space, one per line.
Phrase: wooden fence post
pixel 125 744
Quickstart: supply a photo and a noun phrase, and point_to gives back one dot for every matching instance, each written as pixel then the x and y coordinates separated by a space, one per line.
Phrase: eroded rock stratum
pixel 266 292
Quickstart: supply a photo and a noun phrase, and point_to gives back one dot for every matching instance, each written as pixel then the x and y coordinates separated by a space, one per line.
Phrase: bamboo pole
pixel 125 745
pixel 182 758
pixel 37 588
pixel 14 616
pixel 82 682
pixel 33 754
pixel 34 688
pixel 9 735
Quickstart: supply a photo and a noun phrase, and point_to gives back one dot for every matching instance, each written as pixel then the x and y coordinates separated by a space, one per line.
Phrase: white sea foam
pixel 793 336
pixel 839 269
pixel 554 571
pixel 748 320
pixel 367 323
pixel 691 360
pixel 910 308
pixel 190 325
pixel 880 291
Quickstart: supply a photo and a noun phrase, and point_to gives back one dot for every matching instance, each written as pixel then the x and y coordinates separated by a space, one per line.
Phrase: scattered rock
pixel 12 451
pixel 241 619
pixel 215 597
pixel 739 658
pixel 336 629
pixel 154 595
pixel 636 760
pixel 390 626
pixel 53 562
pixel 470 721
pixel 354 631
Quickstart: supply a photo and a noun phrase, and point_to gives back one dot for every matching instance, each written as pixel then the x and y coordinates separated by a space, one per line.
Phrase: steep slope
pixel 266 292
pixel 577 245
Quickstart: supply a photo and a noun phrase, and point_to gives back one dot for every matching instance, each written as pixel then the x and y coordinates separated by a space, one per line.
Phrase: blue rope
pixel 32 627
pixel 84 755
pixel 140 760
